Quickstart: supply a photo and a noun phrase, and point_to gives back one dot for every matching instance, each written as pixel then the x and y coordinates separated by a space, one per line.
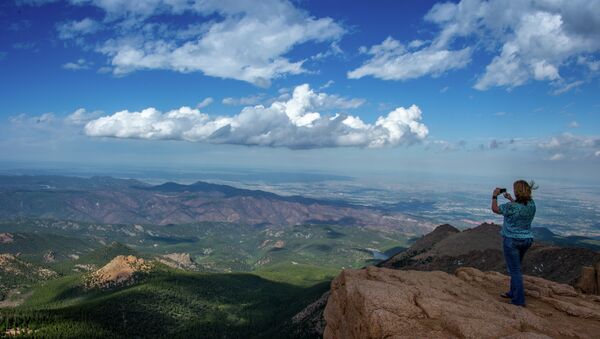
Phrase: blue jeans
pixel 514 250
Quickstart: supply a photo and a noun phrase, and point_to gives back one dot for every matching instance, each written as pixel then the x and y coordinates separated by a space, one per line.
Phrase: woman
pixel 516 232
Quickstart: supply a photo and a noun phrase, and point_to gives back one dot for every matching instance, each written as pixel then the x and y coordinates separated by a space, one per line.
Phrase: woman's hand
pixel 496 191
pixel 508 196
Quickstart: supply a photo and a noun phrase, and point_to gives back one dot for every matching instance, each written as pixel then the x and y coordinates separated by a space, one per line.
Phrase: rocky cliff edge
pixel 385 303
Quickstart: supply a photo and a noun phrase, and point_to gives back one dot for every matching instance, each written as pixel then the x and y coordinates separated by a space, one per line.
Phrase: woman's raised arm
pixel 495 208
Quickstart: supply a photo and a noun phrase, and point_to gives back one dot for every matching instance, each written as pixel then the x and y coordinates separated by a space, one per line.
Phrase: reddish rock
pixel 6 238
pixel 178 260
pixel 598 277
pixel 120 271
pixel 587 282
pixel 384 303
pixel 50 256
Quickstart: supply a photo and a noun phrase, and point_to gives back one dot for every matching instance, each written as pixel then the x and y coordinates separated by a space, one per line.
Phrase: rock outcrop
pixel 273 244
pixel 178 260
pixel 589 282
pixel 14 272
pixel 120 271
pixel 49 256
pixel 12 265
pixel 6 238
pixel 309 323
pixel 385 303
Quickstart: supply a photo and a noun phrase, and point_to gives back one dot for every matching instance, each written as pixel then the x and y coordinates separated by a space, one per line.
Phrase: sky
pixel 472 87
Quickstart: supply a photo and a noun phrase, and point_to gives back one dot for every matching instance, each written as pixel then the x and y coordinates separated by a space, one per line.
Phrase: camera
pixel 502 190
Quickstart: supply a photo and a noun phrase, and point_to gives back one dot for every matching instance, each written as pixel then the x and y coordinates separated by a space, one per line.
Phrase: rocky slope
pixel 120 271
pixel 12 265
pixel 385 303
pixel 447 249
pixel 589 282
pixel 6 238
pixel 14 272
pixel 178 260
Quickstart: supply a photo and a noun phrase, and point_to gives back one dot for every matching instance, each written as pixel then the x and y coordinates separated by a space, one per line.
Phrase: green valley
pixel 166 303
pixel 237 280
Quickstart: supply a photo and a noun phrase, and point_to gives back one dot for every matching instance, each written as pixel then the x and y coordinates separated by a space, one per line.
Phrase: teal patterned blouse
pixel 517 219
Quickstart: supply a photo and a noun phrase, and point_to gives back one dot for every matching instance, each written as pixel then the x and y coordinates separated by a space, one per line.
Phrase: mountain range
pixel 110 200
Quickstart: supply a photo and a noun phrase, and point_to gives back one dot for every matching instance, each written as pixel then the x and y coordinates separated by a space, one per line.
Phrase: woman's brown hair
pixel 523 191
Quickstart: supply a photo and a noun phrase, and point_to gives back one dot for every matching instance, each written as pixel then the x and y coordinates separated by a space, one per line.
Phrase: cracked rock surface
pixel 385 303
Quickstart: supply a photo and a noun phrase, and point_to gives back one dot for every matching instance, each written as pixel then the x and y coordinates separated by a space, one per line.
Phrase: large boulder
pixel 589 281
pixel 598 277
pixel 385 303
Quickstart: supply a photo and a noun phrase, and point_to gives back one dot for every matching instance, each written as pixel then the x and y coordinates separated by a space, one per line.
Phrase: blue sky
pixel 472 87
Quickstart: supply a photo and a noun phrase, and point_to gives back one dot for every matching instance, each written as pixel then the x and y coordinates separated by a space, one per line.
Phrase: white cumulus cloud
pixel 528 40
pixel 392 61
pixel 206 102
pixel 78 65
pixel 74 29
pixel 244 101
pixel 295 123
pixel 81 116
pixel 243 40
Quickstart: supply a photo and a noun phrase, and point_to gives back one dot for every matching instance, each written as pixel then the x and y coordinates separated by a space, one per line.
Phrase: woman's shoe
pixel 506 295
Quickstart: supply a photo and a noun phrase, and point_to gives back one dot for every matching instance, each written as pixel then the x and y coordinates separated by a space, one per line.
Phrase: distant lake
pixel 378 255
